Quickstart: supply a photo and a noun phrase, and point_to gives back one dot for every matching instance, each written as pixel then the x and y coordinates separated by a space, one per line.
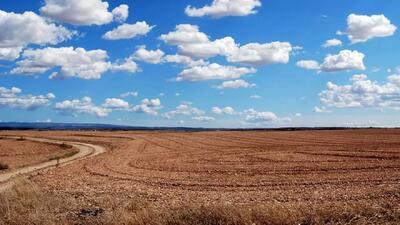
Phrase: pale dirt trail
pixel 85 151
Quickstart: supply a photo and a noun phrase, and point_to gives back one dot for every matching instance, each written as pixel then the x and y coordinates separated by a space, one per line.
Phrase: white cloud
pixel 129 94
pixel 149 56
pixel 148 106
pixel 255 96
pixel 361 28
pixel 213 71
pixel 12 98
pixel 191 42
pixel 321 109
pixel 121 13
pixel 261 54
pixel 221 8
pixel 128 66
pixel 263 117
pixel 332 43
pixel 226 110
pixel 345 60
pixel 203 119
pixel 72 62
pixel 20 30
pixel 184 34
pixel 115 103
pixel 235 84
pixel 184 109
pixel 11 53
pixel 89 12
pixel 128 31
pixel 185 60
pixel 363 93
pixel 81 106
pixel 208 49
pixel 308 64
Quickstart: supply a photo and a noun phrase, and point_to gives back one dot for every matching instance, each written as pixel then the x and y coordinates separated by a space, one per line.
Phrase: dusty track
pixel 85 150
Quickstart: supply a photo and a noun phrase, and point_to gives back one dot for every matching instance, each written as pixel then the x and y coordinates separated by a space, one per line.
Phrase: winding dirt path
pixel 85 151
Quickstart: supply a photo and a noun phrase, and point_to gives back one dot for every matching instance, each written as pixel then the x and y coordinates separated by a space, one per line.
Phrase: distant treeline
pixel 109 127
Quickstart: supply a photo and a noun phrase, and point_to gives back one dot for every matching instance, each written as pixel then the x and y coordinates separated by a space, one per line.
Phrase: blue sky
pixel 208 63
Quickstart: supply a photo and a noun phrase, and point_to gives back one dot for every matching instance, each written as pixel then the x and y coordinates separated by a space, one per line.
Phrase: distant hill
pixel 80 126
pixel 105 127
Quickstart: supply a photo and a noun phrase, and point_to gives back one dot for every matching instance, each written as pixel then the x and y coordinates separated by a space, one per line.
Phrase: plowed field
pixel 238 167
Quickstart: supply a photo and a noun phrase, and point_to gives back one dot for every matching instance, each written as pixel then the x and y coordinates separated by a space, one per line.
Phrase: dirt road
pixel 85 150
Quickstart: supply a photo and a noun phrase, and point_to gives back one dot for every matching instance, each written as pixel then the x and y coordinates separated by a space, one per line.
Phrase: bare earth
pixel 178 168
pixel 19 153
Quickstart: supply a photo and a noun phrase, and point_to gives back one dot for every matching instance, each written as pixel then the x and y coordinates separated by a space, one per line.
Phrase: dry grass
pixel 26 204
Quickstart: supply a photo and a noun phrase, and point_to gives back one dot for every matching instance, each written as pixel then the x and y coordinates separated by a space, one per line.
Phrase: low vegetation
pixel 25 202
pixel 65 146
pixel 4 166
pixel 66 155
pixel 21 139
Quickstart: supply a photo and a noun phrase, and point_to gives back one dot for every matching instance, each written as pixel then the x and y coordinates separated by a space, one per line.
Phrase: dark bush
pixel 4 166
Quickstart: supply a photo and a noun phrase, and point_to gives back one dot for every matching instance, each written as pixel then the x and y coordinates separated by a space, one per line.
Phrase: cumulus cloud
pixel 149 56
pixel 221 8
pixel 72 62
pixel 226 110
pixel 213 71
pixel 235 84
pixel 345 60
pixel 308 64
pixel 148 106
pixel 263 117
pixel 332 43
pixel 128 66
pixel 12 98
pixel 121 13
pixel 363 93
pixel 184 34
pixel 361 28
pixel 261 54
pixel 20 30
pixel 184 60
pixel 128 31
pixel 77 12
pixel 115 103
pixel 184 109
pixel 190 41
pixel 203 119
pixel 11 53
pixel 81 106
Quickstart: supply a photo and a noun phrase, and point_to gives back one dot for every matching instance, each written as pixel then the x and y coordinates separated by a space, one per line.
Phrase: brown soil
pixel 230 168
pixel 19 153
